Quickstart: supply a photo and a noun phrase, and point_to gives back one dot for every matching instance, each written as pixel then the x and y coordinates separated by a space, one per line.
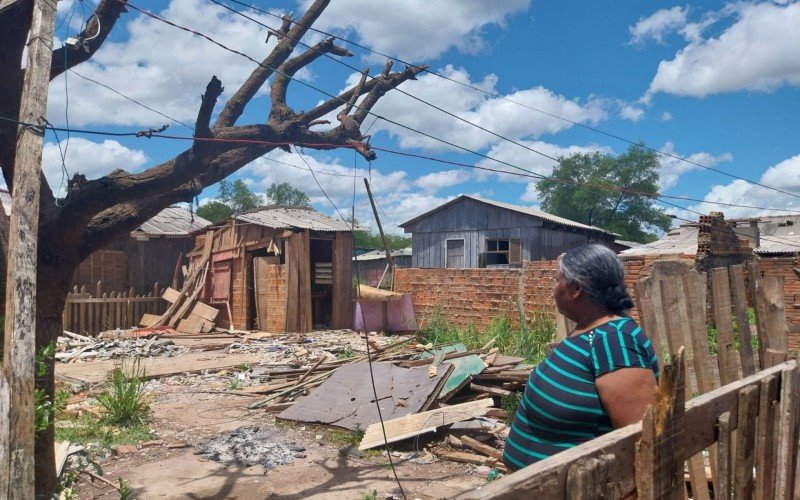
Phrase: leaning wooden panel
pixel 787 432
pixel 755 287
pixel 723 318
pixel 736 275
pixel 547 479
pixel 776 328
pixel 745 443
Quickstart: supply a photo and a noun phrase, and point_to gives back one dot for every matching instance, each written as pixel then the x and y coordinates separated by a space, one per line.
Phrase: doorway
pixel 321 256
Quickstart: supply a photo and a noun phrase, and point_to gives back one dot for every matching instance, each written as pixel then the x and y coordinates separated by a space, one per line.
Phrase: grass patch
pixel 89 429
pixel 124 400
pixel 509 404
pixel 342 437
pixel 528 340
pixel 233 383
pixel 369 495
pixel 346 352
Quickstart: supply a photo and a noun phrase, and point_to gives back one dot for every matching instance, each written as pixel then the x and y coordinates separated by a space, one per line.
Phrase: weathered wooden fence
pixel 737 439
pixel 88 314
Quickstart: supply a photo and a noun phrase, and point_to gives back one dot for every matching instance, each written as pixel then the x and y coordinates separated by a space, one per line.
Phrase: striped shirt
pixel 560 407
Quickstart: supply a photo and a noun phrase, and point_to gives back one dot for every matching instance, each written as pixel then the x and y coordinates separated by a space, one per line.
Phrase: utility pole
pixel 18 375
pixel 390 261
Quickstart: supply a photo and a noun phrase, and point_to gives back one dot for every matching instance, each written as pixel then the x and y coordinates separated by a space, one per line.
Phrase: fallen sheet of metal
pixel 346 399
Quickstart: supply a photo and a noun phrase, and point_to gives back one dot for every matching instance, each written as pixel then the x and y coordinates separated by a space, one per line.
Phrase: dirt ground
pixel 189 409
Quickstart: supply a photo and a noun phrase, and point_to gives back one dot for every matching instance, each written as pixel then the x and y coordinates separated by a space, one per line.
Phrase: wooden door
pixel 454 257
pixel 262 294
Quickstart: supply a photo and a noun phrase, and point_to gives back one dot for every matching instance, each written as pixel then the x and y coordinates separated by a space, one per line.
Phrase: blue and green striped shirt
pixel 560 407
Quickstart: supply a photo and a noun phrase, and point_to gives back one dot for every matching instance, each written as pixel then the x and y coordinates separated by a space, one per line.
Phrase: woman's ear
pixel 575 291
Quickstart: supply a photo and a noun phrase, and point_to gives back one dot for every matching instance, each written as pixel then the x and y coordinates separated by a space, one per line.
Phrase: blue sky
pixel 714 82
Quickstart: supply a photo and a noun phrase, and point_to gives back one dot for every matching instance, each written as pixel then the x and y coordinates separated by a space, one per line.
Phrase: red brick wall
pixel 784 266
pixel 276 307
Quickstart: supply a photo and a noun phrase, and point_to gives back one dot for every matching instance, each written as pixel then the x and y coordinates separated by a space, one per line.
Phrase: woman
pixel 601 377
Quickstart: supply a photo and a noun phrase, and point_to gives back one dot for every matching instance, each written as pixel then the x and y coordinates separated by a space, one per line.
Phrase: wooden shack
pixel 279 268
pixel 469 232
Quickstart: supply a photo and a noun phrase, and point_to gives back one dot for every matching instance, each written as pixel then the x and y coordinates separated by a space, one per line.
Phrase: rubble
pixel 250 445
pixel 70 349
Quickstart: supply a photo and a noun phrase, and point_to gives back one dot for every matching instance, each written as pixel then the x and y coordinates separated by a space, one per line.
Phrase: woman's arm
pixel 625 393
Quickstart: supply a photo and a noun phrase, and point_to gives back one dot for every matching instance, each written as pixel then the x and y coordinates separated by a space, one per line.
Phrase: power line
pixel 499 96
pixel 526 173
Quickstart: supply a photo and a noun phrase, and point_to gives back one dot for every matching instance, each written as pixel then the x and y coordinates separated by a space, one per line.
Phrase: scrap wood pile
pixel 421 390
pixel 71 347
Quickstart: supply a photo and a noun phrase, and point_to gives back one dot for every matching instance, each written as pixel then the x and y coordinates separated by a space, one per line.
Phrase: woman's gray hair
pixel 599 273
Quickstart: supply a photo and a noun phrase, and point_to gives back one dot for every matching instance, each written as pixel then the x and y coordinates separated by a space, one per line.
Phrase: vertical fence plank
pixel 745 443
pixel 755 286
pixel 659 462
pixel 723 318
pixel 723 457
pixel 588 479
pixel 777 330
pixel 736 275
pixel 787 433
pixel 765 440
pixel 82 318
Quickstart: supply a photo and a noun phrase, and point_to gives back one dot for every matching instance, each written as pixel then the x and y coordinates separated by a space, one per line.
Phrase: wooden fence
pixel 87 314
pixel 737 439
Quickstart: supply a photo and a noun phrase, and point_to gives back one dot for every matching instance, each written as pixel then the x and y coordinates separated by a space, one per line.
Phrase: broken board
pixel 464 369
pixel 194 324
pixel 205 311
pixel 149 320
pixel 171 295
pixel 346 399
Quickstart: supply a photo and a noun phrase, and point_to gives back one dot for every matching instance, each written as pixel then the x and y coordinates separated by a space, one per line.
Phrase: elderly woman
pixel 601 377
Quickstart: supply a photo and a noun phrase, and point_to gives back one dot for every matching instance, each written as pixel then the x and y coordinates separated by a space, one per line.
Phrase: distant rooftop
pixel 172 221
pixel 287 217
pixel 381 254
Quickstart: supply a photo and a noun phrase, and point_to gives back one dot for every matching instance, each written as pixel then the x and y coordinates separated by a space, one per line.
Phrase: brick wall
pixel 784 266
pixel 276 307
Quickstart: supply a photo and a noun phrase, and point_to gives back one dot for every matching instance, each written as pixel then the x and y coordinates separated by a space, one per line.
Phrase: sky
pixel 716 83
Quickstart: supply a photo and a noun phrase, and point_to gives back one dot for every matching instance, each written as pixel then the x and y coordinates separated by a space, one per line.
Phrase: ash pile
pixel 250 445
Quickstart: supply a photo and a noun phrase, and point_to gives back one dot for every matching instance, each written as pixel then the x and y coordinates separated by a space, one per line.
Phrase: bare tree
pixel 94 212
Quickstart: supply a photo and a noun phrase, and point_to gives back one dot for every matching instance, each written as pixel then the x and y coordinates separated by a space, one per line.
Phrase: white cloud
pixel 672 168
pixel 505 118
pixel 666 116
pixel 435 181
pixel 417 29
pixel 162 67
pixel 760 51
pixel 631 113
pixel 658 25
pixel 91 159
pixel 785 176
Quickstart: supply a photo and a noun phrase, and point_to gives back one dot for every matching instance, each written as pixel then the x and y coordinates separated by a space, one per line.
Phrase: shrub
pixel 124 400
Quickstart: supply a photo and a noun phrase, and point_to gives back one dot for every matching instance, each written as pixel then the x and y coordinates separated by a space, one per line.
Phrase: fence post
pixel 659 461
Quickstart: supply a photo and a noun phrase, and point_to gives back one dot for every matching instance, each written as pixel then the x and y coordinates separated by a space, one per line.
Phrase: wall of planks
pixel 89 314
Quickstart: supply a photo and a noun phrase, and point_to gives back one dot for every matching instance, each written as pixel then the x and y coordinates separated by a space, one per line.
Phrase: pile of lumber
pixel 186 313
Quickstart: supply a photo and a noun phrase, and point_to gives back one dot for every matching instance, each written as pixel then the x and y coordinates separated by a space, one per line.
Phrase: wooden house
pixel 279 268
pixel 469 232
pixel 146 256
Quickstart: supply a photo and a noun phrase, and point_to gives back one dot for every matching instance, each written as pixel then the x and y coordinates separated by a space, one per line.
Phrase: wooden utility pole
pixel 18 374
pixel 380 229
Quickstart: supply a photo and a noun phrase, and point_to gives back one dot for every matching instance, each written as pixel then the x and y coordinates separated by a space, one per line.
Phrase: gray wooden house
pixel 469 232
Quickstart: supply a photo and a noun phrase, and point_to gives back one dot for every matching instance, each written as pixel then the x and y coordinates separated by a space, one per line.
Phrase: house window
pixel 503 251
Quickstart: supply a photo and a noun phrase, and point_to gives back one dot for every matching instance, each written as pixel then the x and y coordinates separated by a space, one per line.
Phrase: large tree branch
pixel 288 41
pixel 288 69
pixel 90 39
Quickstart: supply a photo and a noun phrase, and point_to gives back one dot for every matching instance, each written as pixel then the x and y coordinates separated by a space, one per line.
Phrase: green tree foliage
pixel 238 196
pixel 286 194
pixel 633 216
pixel 364 239
pixel 215 211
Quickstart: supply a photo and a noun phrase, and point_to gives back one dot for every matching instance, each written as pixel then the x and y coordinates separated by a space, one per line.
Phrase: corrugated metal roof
pixel 173 220
pixel 778 235
pixel 282 217
pixel 517 208
pixel 381 254
pixel 629 244
pixel 679 241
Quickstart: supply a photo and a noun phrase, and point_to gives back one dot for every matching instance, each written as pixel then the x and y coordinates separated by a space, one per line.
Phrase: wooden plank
pixel 765 439
pixel 647 315
pixel 723 318
pixel 149 320
pixel 205 311
pixel 736 275
pixel 171 295
pixel 724 482
pixel 588 479
pixel 422 423
pixel 293 283
pixel 787 433
pixel 481 447
pixel 745 443
pixel 548 477
pixel 260 288
pixel 659 456
pixel 775 324
pixel 487 389
pixel 460 456
pixel 342 281
pixel 755 286
pixel 464 369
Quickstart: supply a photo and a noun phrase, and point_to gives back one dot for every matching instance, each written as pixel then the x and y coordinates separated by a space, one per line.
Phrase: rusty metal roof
pixel 681 240
pixel 172 221
pixel 516 208
pixel 285 217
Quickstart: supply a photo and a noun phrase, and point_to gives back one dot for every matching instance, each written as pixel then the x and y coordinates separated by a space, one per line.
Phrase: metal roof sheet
pixel 679 241
pixel 517 208
pixel 381 254
pixel 283 217
pixel 172 220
